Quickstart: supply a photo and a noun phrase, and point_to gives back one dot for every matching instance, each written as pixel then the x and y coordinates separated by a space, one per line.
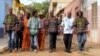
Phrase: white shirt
pixel 67 24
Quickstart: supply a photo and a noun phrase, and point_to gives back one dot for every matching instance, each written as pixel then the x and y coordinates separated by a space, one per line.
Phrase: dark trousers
pixel 19 36
pixel 68 41
pixel 53 37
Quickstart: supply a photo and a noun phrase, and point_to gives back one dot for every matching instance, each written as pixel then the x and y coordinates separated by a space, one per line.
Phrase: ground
pixel 91 49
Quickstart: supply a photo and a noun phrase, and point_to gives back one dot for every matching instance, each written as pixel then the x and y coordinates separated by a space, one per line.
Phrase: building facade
pixel 91 10
pixel 57 5
pixel 4 4
pixel 93 13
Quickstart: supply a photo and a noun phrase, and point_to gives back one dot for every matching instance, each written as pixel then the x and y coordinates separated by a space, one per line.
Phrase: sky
pixel 27 2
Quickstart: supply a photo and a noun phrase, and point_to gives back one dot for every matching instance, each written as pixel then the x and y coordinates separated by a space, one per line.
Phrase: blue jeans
pixel 81 40
pixel 34 41
pixel 11 40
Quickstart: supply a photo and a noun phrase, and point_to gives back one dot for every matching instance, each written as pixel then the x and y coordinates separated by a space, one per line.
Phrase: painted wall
pixel 2 16
pixel 73 7
pixel 99 20
pixel 76 5
pixel 2 12
pixel 94 34
pixel 4 4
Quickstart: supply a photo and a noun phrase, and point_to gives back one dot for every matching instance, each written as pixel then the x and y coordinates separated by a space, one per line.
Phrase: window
pixel 94 16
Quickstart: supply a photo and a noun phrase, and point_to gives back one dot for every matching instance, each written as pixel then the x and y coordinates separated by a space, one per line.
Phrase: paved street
pixel 91 50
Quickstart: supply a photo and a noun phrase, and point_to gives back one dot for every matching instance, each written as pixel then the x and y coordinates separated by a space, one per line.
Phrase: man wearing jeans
pixel 81 24
pixel 10 27
pixel 67 26
pixel 34 26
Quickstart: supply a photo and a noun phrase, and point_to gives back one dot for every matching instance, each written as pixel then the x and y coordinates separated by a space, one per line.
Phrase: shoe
pixel 31 50
pixel 69 51
pixel 81 50
pixel 35 51
pixel 16 49
pixel 54 50
pixel 10 51
pixel 20 49
pixel 51 51
pixel 66 50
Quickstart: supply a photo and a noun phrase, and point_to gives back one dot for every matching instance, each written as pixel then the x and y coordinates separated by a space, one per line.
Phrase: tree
pixel 40 7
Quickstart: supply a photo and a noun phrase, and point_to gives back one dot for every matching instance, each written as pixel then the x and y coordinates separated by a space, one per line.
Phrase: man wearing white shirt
pixel 67 27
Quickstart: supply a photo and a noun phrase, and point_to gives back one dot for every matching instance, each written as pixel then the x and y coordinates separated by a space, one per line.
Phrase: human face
pixel 10 10
pixel 41 16
pixel 35 15
pixel 69 15
pixel 51 14
pixel 80 14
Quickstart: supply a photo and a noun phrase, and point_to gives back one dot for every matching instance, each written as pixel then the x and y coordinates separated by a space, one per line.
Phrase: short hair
pixel 34 12
pixel 10 8
pixel 28 15
pixel 79 12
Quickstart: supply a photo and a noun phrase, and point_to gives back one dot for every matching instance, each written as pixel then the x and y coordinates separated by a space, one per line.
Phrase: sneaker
pixel 66 50
pixel 35 51
pixel 20 49
pixel 51 51
pixel 69 51
pixel 54 50
pixel 10 51
pixel 31 50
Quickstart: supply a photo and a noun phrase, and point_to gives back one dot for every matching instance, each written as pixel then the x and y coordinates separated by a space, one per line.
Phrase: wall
pixel 4 4
pixel 2 12
pixel 78 5
pixel 2 15
pixel 99 20
pixel 73 7
pixel 94 33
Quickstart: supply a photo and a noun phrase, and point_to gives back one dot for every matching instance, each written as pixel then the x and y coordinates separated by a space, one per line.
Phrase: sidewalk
pixel 3 44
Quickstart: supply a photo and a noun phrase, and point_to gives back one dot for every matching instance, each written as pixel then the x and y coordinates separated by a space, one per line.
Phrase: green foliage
pixel 40 7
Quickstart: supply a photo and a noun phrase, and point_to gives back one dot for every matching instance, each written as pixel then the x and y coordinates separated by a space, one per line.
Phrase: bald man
pixel 67 28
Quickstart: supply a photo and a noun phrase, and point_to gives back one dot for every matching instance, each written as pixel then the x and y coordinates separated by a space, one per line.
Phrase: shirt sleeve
pixel 86 21
pixel 75 23
pixel 5 20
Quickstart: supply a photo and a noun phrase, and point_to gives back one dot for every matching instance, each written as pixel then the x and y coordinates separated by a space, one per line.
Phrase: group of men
pixel 68 25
